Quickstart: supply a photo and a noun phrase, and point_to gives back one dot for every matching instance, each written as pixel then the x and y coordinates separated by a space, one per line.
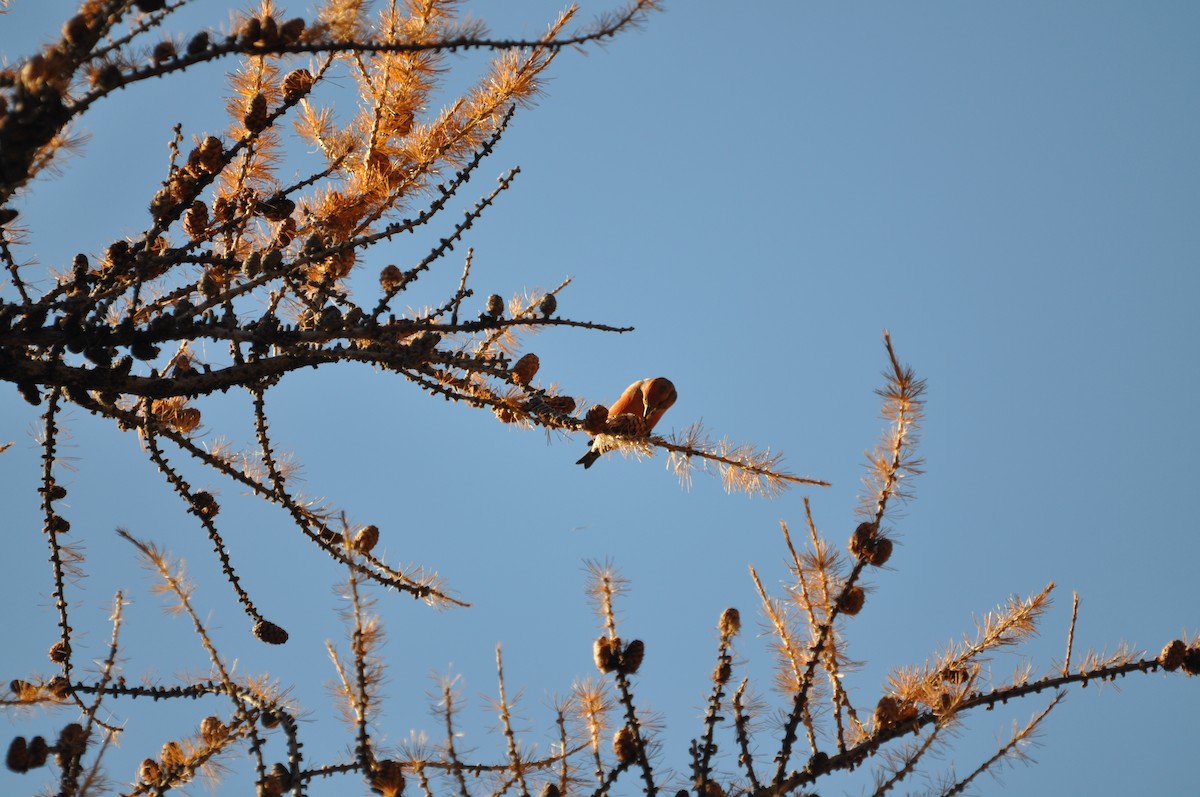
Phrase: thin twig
pixel 1066 668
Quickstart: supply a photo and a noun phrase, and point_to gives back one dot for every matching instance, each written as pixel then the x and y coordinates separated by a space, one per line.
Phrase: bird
pixel 647 400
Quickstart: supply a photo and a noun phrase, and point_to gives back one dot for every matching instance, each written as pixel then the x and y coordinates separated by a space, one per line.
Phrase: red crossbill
pixel 646 401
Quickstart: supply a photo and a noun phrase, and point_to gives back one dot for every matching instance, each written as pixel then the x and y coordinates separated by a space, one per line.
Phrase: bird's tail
pixel 587 459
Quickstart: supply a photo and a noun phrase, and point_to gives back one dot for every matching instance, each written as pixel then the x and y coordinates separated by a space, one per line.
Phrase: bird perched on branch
pixel 635 413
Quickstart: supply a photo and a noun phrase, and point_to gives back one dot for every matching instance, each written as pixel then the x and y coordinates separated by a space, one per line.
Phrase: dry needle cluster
pixel 245 257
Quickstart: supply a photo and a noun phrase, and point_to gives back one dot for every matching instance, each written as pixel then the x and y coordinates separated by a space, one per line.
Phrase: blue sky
pixel 1010 189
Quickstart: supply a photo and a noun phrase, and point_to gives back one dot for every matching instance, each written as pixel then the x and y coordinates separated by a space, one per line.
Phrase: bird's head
pixel 658 395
